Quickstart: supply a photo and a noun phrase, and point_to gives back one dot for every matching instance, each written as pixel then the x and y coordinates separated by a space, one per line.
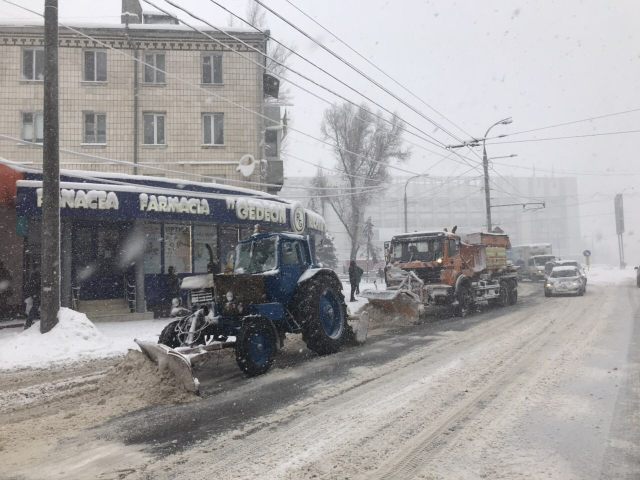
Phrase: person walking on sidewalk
pixel 355 274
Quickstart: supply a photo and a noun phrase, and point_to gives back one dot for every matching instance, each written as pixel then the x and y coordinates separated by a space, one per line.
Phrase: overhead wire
pixel 353 67
pixel 566 123
pixel 295 71
pixel 375 66
pixel 210 93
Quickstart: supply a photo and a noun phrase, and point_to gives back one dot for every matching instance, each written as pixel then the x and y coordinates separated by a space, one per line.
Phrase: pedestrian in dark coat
pixel 173 282
pixel 353 279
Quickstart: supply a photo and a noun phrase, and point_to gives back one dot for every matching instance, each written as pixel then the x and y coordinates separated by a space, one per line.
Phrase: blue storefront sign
pixel 125 202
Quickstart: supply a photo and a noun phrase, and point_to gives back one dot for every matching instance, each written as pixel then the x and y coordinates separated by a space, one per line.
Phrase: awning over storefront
pixel 91 195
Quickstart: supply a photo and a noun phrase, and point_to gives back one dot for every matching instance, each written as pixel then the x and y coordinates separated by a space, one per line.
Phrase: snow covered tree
pixel 326 253
pixel 363 146
pixel 373 252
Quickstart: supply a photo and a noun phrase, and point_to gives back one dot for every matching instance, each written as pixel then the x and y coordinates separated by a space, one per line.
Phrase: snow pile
pixel 137 379
pixel 608 275
pixel 73 338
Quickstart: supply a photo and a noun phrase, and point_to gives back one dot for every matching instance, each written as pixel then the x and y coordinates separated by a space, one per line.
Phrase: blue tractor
pixel 276 288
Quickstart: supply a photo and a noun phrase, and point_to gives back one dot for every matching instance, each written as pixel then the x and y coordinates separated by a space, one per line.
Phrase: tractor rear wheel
pixel 322 314
pixel 256 346
pixel 169 336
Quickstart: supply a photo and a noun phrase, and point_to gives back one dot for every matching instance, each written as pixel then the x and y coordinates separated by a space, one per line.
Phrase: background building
pixel 146 91
pixel 436 203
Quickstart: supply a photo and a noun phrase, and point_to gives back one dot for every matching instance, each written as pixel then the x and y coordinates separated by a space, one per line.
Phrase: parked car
pixel 564 281
pixel 574 263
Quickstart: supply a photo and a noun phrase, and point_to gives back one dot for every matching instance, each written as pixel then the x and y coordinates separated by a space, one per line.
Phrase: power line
pixel 562 138
pixel 296 72
pixel 375 66
pixel 210 93
pixel 327 49
pixel 565 124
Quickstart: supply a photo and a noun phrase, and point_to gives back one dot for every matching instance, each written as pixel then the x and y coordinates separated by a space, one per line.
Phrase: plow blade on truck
pixel 401 302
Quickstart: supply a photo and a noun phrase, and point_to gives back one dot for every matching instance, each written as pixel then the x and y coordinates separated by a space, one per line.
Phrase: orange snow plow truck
pixel 443 268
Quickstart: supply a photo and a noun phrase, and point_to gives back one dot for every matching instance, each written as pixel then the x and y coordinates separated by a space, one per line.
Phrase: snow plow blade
pixel 395 301
pixel 178 364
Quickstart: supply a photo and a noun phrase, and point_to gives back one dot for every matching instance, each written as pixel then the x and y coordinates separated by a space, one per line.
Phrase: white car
pixel 564 281
pixel 573 263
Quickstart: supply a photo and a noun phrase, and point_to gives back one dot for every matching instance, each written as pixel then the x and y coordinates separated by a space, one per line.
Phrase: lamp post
pixel 406 228
pixel 485 164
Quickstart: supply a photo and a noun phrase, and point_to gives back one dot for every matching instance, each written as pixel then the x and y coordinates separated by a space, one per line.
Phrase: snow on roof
pixel 563 269
pixel 39 22
pixel 173 182
pixel 425 233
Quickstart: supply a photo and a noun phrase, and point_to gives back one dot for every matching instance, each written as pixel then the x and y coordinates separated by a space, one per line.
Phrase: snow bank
pixel 74 339
pixel 607 275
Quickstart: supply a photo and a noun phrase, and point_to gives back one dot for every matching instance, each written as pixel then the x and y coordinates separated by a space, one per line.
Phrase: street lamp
pixel 406 228
pixel 485 164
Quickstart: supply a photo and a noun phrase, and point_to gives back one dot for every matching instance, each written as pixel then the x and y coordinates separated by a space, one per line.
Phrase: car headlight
pixel 548 285
pixel 175 302
pixel 439 260
pixel 229 296
pixel 576 283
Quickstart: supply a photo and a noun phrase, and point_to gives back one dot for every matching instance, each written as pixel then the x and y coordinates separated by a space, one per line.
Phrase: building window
pixel 213 129
pixel 33 127
pixel 33 64
pixel 271 143
pixel 95 128
pixel 95 66
pixel 212 69
pixel 154 68
pixel 154 129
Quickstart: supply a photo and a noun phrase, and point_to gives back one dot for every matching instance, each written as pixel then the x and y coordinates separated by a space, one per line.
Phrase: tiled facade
pixel 183 99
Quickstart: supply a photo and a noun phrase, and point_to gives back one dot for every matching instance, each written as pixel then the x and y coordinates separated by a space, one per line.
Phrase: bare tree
pixel 255 14
pixel 363 146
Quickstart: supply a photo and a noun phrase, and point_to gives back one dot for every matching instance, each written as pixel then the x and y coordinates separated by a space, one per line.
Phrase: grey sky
pixel 542 63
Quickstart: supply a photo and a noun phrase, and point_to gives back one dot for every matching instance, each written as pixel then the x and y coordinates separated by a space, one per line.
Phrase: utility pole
pixel 485 165
pixel 50 294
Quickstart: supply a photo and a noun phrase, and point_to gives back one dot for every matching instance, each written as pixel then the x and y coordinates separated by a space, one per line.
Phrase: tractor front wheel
pixel 322 314
pixel 256 346
pixel 169 336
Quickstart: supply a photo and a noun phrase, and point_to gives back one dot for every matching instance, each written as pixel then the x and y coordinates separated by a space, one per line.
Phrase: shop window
pixel 154 68
pixel 204 235
pixel 95 66
pixel 95 128
pixel 33 127
pixel 33 64
pixel 177 248
pixel 154 129
pixel 212 69
pixel 152 248
pixel 213 129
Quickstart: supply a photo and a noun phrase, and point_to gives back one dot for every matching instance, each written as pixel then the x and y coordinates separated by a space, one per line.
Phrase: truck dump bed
pixel 489 250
